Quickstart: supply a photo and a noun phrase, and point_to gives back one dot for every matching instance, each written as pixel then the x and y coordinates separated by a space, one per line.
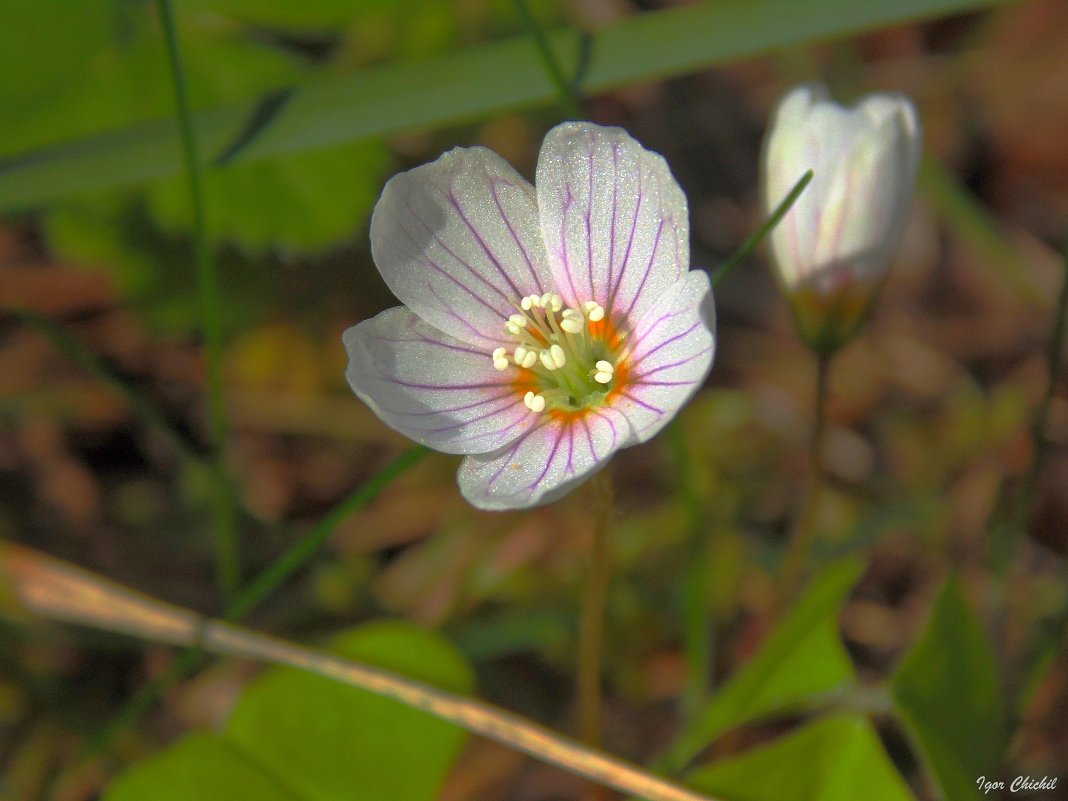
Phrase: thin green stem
pixel 569 96
pixel 304 549
pixel 1053 636
pixel 804 532
pixel 591 634
pixel 225 506
pixel 139 404
pixel 298 555
pixel 698 635
pixel 757 236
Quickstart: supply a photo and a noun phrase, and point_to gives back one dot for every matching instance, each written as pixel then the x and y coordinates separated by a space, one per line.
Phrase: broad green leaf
pixel 837 758
pixel 948 693
pixel 333 742
pixel 199 766
pixel 125 79
pixel 32 34
pixel 294 736
pixel 456 86
pixel 299 202
pixel 803 657
pixel 314 15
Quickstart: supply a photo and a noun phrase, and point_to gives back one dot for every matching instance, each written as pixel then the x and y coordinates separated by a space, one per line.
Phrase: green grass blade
pixel 457 86
pixel 228 563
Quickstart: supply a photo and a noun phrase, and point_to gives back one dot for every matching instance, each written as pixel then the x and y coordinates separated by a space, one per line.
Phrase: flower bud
pixel 834 246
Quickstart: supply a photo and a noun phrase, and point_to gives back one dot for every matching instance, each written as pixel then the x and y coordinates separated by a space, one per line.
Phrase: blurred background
pixel 931 414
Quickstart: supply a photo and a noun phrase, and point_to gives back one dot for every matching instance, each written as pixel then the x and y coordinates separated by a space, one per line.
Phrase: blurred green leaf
pixel 456 86
pixel 949 695
pixel 202 766
pixel 309 15
pixel 332 742
pixel 301 202
pixel 837 758
pixel 300 737
pixel 123 78
pixel 87 232
pixel 802 657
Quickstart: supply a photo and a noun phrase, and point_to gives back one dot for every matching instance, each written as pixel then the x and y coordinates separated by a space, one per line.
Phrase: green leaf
pixel 300 202
pixel 125 79
pixel 297 201
pixel 294 736
pixel 837 758
pixel 200 766
pixel 331 742
pixel 803 657
pixel 456 86
pixel 948 693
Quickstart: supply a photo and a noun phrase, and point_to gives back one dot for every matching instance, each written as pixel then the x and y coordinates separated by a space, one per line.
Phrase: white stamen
pixel 536 403
pixel 500 360
pixel 558 338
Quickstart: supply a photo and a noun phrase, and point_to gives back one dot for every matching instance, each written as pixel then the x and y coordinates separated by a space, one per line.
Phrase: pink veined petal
pixel 431 387
pixel 615 221
pixel 672 350
pixel 546 463
pixel 458 242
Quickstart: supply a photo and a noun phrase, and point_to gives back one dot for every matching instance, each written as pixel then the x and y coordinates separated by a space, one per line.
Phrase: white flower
pixel 542 329
pixel 837 241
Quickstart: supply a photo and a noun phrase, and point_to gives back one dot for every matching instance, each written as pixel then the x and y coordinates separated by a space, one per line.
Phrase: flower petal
pixel 671 356
pixel 459 243
pixel 432 387
pixel 546 463
pixel 864 161
pixel 614 219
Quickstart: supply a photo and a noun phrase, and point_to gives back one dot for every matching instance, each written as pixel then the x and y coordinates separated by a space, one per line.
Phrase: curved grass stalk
pixel 62 591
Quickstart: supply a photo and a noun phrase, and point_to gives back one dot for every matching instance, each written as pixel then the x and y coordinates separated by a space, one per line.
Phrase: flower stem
pixel 227 557
pixel 698 633
pixel 805 529
pixel 567 90
pixel 591 634
pixel 755 238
